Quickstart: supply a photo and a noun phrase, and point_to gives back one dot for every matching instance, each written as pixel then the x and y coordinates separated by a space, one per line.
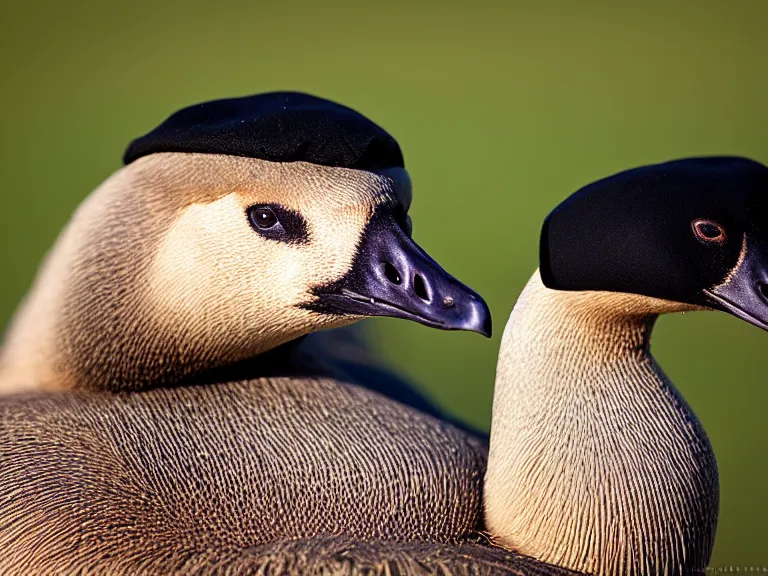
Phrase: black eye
pixel 279 223
pixel 263 218
pixel 708 231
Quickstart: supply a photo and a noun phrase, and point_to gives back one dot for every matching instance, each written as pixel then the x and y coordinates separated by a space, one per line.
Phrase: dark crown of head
pixel 278 127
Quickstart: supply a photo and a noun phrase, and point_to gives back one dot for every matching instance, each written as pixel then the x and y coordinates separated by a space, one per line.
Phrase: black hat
pixel 276 126
pixel 671 230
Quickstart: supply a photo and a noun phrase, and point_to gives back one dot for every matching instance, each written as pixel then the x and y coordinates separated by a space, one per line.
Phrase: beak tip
pixel 487 329
pixel 480 320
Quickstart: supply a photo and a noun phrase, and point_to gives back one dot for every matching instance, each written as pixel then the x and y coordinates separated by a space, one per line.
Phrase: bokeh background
pixel 502 110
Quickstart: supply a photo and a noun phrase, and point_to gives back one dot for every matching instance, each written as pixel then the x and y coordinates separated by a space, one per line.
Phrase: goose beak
pixel 393 276
pixel 745 292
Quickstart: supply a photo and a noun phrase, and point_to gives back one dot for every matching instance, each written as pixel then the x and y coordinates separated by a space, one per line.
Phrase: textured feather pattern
pixel 175 473
pixel 596 462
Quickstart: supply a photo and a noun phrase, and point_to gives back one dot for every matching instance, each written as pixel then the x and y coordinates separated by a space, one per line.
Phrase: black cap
pixel 644 231
pixel 276 126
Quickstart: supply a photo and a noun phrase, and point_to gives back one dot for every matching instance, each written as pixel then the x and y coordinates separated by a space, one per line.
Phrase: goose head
pixel 234 226
pixel 691 231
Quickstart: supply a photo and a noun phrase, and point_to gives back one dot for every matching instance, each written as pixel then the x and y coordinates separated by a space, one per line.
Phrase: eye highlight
pixel 276 222
pixel 262 217
pixel 708 231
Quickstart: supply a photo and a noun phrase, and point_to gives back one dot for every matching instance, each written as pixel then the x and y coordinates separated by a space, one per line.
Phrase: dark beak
pixel 744 294
pixel 392 276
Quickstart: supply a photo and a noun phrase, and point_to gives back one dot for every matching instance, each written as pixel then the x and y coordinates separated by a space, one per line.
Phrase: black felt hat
pixel 276 126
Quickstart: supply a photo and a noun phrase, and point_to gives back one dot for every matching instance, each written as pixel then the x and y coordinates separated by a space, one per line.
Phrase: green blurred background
pixel 502 110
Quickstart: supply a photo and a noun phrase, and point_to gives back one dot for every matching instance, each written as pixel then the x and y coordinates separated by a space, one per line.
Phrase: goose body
pixel 186 473
pixel 159 404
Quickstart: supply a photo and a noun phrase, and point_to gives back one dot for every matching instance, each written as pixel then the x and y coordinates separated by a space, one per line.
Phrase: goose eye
pixel 278 223
pixel 708 231
pixel 263 218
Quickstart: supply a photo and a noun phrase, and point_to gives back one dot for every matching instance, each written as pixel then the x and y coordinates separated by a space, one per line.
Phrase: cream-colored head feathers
pixel 160 273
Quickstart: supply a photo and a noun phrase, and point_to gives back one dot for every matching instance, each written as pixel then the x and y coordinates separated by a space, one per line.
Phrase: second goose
pixel 596 462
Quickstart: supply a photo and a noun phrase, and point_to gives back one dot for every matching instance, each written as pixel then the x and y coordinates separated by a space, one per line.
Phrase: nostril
pixel 764 290
pixel 392 274
pixel 420 287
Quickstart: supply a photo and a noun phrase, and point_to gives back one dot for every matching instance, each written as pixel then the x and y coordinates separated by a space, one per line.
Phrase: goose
pixel 161 396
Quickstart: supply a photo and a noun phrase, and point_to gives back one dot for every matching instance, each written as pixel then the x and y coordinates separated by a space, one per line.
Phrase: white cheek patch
pixel 209 262
pixel 215 277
